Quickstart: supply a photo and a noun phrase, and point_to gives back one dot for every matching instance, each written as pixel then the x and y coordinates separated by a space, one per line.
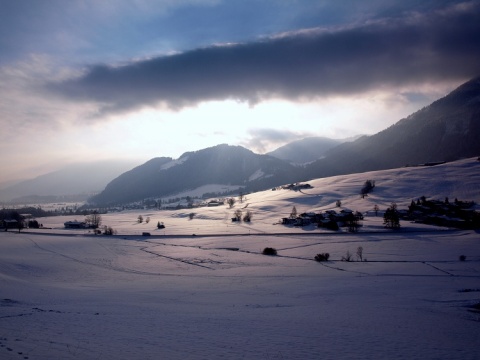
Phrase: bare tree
pixel 238 214
pixel 347 257
pixel 360 253
pixel 108 230
pixel 391 218
pixel 293 214
pixel 231 202
pixel 367 187
pixel 21 225
pixel 352 222
pixel 94 220
pixel 241 197
pixel 248 216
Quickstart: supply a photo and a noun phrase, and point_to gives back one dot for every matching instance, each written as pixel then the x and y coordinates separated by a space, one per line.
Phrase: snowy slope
pixel 73 295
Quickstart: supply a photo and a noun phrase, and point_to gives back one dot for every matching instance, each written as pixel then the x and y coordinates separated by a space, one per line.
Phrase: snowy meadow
pixel 202 289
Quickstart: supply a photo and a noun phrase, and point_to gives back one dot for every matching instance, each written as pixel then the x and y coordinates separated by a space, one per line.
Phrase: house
pixel 297 186
pixel 75 224
pixel 10 224
pixel 331 215
pixel 288 221
pixel 458 214
pixel 214 203
pixel 304 186
pixel 328 224
pixel 302 221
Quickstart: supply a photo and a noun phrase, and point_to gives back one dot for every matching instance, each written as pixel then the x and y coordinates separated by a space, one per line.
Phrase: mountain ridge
pixel 220 164
pixel 446 130
pixel 305 150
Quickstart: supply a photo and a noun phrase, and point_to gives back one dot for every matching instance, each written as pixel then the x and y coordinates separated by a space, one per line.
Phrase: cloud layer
pixel 416 48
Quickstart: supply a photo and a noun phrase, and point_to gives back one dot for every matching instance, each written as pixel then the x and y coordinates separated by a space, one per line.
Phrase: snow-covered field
pixel 68 294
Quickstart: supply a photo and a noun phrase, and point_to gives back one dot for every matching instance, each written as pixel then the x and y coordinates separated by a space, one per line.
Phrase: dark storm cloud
pixel 417 48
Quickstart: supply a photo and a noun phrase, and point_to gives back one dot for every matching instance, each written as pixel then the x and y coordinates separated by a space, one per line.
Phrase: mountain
pixel 82 179
pixel 221 164
pixel 446 130
pixel 305 150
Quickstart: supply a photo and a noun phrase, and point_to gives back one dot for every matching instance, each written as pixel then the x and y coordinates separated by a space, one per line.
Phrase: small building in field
pixel 75 224
pixel 214 203
pixel 9 224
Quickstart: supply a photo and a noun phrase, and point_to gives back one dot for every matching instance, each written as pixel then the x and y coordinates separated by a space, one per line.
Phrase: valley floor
pixel 97 297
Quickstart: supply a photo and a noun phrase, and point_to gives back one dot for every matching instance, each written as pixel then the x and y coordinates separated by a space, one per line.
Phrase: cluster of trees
pixel 140 219
pixel 457 213
pixel 348 256
pixel 108 230
pixel 391 217
pixel 11 219
pixel 322 257
pixel 231 201
pixel 33 211
pixel 238 216
pixel 94 220
pixel 34 224
pixel 352 221
pixel 209 195
pixel 329 220
pixel 38 212
pixel 10 214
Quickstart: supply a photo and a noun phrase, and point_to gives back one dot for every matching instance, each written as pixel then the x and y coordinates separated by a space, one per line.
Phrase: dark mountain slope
pixel 134 184
pixel 305 150
pixel 446 130
pixel 222 164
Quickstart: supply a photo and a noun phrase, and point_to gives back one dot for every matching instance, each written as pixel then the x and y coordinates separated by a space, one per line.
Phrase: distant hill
pixel 221 164
pixel 446 130
pixel 305 150
pixel 76 181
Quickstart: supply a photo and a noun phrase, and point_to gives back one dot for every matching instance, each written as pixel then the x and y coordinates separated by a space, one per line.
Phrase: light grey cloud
pixel 417 48
pixel 88 31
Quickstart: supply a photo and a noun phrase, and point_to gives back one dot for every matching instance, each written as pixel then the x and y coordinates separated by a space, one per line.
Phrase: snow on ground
pixel 67 294
pixel 174 163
